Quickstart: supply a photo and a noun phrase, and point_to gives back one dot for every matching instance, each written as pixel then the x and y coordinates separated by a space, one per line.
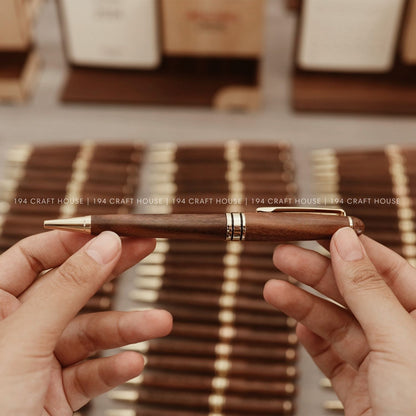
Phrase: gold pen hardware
pixel 311 210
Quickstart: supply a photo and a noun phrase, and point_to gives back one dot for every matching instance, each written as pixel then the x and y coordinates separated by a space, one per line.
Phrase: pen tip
pixel 80 224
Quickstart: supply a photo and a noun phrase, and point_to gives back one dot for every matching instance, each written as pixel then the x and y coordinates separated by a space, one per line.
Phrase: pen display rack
pixel 229 352
pixel 19 59
pixel 64 181
pixel 383 76
pixel 382 195
pixel 203 53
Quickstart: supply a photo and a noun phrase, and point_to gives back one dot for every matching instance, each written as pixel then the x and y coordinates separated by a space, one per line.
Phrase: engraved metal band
pixel 236 226
pixel 229 232
pixel 243 226
pixel 237 229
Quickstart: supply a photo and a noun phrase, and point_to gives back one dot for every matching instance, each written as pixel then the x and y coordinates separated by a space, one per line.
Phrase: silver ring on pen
pixel 229 232
pixel 243 225
pixel 236 226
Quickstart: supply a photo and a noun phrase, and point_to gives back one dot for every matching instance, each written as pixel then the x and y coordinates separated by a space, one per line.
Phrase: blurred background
pixel 43 117
pixel 314 74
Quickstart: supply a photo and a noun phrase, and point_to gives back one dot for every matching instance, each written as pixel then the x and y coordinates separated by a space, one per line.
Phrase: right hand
pixel 366 345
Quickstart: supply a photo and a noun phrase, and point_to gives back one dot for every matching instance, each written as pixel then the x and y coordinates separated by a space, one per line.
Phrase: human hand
pixel 367 346
pixel 43 345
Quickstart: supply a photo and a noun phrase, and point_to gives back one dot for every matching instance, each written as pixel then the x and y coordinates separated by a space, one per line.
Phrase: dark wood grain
pixel 208 285
pixel 264 249
pixel 92 175
pixel 183 313
pixel 202 259
pixel 217 272
pixel 392 93
pixel 260 152
pixel 250 187
pixel 196 400
pixel 194 350
pixel 294 227
pixel 211 227
pixel 206 300
pixel 242 335
pixel 248 387
pixel 260 226
pixel 179 81
pixel 238 368
pixel 219 173
pixel 12 63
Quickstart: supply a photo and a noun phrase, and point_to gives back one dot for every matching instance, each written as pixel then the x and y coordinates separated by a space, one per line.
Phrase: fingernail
pixel 348 245
pixel 104 248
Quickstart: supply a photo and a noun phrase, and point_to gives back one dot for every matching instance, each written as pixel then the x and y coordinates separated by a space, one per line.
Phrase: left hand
pixel 43 344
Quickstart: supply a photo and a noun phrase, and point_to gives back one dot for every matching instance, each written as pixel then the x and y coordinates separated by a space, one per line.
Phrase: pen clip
pixel 311 210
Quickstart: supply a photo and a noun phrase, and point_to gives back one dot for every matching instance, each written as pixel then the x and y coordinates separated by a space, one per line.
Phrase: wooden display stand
pixel 391 93
pixel 211 56
pixel 222 83
pixel 19 61
pixel 18 74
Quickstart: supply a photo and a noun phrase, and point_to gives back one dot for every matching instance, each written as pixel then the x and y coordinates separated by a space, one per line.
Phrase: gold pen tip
pixel 80 224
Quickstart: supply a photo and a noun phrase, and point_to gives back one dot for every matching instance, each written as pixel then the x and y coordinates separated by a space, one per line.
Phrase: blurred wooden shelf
pixel 18 74
pixel 391 93
pixel 224 83
pixel 293 4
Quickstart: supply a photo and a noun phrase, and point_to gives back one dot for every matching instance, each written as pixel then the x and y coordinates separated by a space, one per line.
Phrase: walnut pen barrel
pixel 292 227
pixel 180 226
pixel 282 226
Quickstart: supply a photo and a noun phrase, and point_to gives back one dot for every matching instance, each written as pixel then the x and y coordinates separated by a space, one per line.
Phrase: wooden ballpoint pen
pixel 271 223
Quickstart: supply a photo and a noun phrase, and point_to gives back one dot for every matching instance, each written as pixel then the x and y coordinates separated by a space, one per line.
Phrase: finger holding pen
pixel 367 349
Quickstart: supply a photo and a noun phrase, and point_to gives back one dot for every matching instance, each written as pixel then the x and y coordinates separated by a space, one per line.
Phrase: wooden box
pixel 230 28
pixel 392 91
pixel 16 18
pixel 211 56
pixel 18 74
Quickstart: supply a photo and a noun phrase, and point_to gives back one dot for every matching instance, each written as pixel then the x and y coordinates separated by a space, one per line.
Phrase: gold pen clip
pixel 311 210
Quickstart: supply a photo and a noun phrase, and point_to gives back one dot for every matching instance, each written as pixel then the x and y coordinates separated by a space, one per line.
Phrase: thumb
pixel 367 295
pixel 61 293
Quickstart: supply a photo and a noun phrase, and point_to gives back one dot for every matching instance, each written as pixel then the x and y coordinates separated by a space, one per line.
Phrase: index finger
pixel 21 264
